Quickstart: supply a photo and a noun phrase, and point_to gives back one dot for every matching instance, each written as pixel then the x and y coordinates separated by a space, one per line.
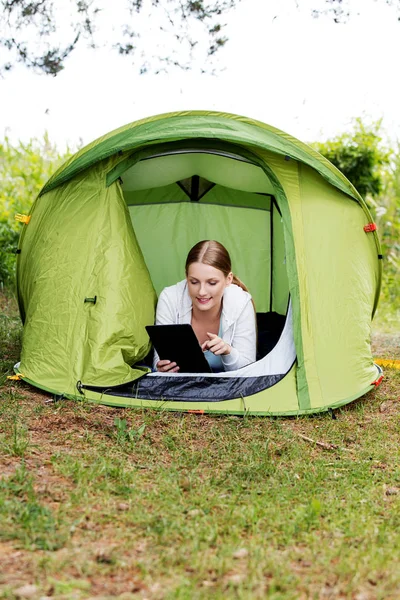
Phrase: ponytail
pixel 240 283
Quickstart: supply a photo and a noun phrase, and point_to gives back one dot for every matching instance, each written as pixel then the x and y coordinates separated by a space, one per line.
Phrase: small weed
pixel 17 440
pixel 69 588
pixel 14 438
pixel 125 435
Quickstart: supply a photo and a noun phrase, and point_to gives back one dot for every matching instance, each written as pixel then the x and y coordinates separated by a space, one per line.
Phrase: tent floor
pixel 269 328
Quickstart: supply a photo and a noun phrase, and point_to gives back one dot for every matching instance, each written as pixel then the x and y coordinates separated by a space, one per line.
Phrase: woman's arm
pixel 244 341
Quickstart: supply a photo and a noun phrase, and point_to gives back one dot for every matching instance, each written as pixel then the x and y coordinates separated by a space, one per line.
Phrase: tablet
pixel 178 343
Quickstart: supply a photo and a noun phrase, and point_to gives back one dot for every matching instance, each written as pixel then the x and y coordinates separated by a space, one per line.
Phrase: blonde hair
pixel 214 254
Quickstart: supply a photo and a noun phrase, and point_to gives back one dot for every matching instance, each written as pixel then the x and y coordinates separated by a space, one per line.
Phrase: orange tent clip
pixel 22 218
pixel 16 377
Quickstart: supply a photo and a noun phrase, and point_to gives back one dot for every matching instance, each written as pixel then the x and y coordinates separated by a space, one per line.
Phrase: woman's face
pixel 206 286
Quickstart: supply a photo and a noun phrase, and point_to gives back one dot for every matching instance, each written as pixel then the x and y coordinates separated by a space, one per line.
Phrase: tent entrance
pixel 215 387
pixel 176 198
pixel 182 196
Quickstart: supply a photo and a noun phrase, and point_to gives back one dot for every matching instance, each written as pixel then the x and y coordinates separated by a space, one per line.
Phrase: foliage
pixel 8 245
pixel 124 434
pixel 387 211
pixel 374 169
pixel 10 334
pixel 31 30
pixel 342 10
pixel 42 36
pixel 24 169
pixel 361 155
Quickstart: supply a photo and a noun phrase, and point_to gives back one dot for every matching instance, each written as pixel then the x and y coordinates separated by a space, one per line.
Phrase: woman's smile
pixel 203 300
pixel 206 286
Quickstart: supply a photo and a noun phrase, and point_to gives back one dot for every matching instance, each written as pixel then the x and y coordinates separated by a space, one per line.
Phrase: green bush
pixel 361 155
pixel 8 244
pixel 387 211
pixel 24 169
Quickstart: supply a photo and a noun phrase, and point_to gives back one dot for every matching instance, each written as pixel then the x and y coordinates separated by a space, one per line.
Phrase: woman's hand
pixel 216 345
pixel 166 366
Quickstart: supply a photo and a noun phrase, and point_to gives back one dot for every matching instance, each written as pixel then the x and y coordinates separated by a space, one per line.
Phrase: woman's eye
pixel 213 283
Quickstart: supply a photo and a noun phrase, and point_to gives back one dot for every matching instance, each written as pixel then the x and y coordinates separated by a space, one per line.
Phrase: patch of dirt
pixel 16 565
pixel 21 567
pixel 386 345
pixel 8 305
pixel 124 579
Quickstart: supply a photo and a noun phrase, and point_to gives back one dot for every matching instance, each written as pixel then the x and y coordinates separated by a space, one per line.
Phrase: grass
pixel 10 334
pixel 98 502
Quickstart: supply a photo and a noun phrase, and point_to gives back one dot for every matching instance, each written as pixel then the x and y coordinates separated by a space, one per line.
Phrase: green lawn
pixel 97 502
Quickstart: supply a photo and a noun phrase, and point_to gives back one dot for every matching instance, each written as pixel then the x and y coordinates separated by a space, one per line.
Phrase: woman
pixel 217 305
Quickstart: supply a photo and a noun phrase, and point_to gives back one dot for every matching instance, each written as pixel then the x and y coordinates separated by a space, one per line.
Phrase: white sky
pixel 309 77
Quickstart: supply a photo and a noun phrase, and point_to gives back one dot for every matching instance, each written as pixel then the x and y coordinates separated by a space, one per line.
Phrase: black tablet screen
pixel 178 343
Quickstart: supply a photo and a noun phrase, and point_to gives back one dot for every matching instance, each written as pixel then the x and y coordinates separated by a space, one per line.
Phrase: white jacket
pixel 238 321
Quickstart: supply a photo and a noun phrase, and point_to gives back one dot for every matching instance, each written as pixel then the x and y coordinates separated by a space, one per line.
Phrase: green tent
pixel 112 228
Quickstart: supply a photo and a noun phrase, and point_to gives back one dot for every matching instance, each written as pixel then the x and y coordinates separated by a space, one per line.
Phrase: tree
pixel 342 10
pixel 31 29
pixel 182 31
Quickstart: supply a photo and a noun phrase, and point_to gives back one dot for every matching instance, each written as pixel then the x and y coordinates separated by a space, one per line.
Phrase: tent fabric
pixel 200 124
pixel 165 170
pixel 76 252
pixel 112 227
